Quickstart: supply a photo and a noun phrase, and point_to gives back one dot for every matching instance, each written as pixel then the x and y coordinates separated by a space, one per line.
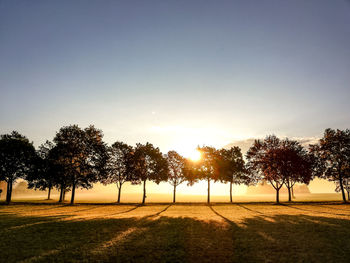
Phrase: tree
pixel 206 168
pixel 83 156
pixel 147 163
pixel 296 164
pixel 176 166
pixel 16 159
pixel 264 162
pixel 118 165
pixel 42 176
pixel 59 171
pixel 333 157
pixel 231 167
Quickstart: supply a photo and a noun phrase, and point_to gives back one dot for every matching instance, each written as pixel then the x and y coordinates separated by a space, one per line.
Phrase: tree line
pixel 78 158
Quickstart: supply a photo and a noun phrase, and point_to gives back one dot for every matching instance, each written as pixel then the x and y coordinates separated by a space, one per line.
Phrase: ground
pixel 241 232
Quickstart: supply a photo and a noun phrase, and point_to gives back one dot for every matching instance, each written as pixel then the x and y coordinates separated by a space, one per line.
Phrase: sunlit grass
pixel 308 232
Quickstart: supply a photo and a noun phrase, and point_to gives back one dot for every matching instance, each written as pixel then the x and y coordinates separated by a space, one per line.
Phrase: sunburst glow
pixel 195 155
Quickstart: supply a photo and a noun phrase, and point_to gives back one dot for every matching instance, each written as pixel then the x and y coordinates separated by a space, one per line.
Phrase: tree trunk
pixel 119 192
pixel 73 193
pixel 9 192
pixel 144 192
pixel 293 196
pixel 289 191
pixel 347 189
pixel 174 194
pixel 64 195
pixel 289 194
pixel 208 200
pixel 61 195
pixel 231 192
pixel 278 195
pixel 49 193
pixel 342 188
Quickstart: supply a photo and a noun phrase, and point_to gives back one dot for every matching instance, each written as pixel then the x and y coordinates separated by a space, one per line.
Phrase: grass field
pixel 242 232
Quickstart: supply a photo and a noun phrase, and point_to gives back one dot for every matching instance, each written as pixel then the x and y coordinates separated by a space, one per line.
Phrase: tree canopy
pixel 333 156
pixel 176 169
pixel 83 155
pixel 42 177
pixel 206 168
pixel 264 163
pixel 231 167
pixel 149 164
pixel 280 162
pixel 118 165
pixel 296 164
pixel 17 156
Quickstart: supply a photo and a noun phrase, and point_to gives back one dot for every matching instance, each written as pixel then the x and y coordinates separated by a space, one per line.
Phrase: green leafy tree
pixel 149 164
pixel 118 165
pixel 231 168
pixel 83 156
pixel 16 159
pixel 176 169
pixel 332 154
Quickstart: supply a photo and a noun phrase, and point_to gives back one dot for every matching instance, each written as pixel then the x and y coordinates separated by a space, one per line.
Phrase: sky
pixel 175 73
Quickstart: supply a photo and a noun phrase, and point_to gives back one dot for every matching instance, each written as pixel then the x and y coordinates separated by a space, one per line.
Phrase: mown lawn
pixel 245 232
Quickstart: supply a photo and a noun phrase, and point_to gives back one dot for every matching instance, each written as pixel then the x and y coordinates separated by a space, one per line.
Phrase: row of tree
pixel 78 158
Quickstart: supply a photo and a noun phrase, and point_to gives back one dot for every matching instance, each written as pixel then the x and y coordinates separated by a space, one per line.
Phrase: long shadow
pixel 251 210
pixel 57 207
pixel 124 212
pixel 52 207
pixel 158 213
pixel 87 209
pixel 220 215
pixel 243 252
pixel 162 211
pixel 18 221
pixel 331 207
pixel 312 211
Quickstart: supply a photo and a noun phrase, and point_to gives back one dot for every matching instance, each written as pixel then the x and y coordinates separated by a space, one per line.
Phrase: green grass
pixel 244 232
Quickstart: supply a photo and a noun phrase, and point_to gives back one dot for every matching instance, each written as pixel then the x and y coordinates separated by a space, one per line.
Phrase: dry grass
pixel 244 232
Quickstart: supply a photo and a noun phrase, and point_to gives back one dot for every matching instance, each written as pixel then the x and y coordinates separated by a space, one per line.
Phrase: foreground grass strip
pixel 177 233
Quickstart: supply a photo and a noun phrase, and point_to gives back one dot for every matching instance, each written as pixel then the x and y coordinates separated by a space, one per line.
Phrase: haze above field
pixel 177 74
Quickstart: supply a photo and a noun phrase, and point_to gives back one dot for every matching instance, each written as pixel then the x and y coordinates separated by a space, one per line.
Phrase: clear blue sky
pixel 175 72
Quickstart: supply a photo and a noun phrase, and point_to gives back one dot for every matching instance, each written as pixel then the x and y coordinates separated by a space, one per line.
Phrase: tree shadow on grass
pixel 278 238
pixel 158 213
pixel 251 210
pixel 339 206
pixel 127 211
pixel 301 208
pixel 10 221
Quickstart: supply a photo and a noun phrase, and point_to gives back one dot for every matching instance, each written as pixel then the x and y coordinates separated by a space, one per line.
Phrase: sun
pixel 195 155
